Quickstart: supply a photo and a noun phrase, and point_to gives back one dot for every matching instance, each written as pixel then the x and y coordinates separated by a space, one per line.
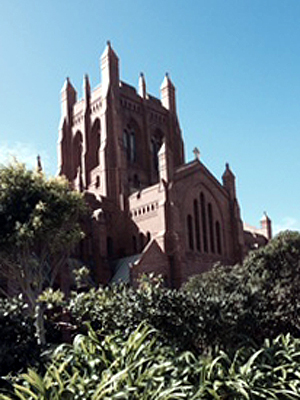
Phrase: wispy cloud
pixel 23 152
pixel 287 223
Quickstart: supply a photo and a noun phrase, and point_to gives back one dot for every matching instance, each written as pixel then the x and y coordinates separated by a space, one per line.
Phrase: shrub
pixel 18 347
pixel 123 308
pixel 252 301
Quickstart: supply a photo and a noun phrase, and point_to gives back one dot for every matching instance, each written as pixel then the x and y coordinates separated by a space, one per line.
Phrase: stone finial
pixel 265 215
pixel 168 97
pixel 110 69
pixel 196 152
pixel 86 87
pixel 142 85
pixel 166 81
pixel 266 226
pixel 39 167
pixel 229 181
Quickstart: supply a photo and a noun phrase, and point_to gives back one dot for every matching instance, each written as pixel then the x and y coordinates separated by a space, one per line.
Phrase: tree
pixel 39 220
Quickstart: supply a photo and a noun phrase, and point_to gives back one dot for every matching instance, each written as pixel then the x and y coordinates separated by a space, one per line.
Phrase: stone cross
pixel 196 152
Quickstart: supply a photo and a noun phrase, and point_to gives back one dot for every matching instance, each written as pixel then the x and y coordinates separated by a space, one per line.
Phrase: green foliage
pixel 257 299
pixel 18 347
pixel 226 306
pixel 39 221
pixel 112 368
pixel 187 343
pixel 273 275
pixel 52 298
pixel 122 308
pixel 81 275
pixel 141 368
pixel 35 210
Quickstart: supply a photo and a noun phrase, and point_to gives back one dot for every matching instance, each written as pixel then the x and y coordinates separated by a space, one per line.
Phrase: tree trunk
pixel 39 324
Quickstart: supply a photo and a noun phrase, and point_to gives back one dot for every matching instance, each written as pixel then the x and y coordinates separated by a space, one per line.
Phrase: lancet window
pixel 95 144
pixel 211 228
pixel 218 233
pixel 203 218
pixel 204 231
pixel 129 143
pixel 190 232
pixel 197 227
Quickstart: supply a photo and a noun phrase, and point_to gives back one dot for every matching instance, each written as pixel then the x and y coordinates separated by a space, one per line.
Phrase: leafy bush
pixel 122 308
pixel 18 347
pixel 252 301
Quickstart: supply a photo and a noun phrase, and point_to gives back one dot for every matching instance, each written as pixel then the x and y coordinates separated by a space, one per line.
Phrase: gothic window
pixel 190 232
pixel 95 144
pixel 197 228
pixel 211 228
pixel 132 147
pixel 129 143
pixel 218 233
pixel 77 152
pixel 203 218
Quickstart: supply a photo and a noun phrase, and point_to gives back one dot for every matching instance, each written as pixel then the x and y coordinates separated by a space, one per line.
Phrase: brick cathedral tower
pixel 150 211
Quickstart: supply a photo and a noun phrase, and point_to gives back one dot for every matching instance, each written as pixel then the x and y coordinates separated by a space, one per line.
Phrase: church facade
pixel 150 210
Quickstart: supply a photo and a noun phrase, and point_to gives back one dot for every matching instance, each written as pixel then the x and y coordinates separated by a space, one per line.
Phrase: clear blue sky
pixel 235 64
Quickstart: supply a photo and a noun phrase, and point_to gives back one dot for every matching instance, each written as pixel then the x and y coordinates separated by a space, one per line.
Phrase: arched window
pixel 94 144
pixel 203 218
pixel 77 150
pixel 77 161
pixel 132 147
pixel 129 143
pixel 211 228
pixel 126 143
pixel 218 232
pixel 190 232
pixel 197 228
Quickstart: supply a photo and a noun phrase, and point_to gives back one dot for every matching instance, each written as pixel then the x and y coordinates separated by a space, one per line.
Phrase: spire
pixel 110 68
pixel 68 99
pixel 86 86
pixel 229 181
pixel 87 95
pixel 167 90
pixel 67 86
pixel 39 167
pixel 108 51
pixel 142 86
pixel 266 226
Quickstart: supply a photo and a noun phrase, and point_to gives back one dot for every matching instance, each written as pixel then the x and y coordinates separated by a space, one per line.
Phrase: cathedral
pixel 150 210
